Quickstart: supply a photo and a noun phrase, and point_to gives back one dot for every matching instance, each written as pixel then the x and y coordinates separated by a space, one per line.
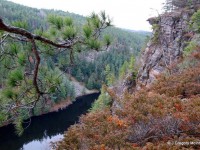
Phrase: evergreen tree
pixel 30 80
pixel 123 70
pixel 110 77
pixel 168 6
pixel 132 64
pixel 103 101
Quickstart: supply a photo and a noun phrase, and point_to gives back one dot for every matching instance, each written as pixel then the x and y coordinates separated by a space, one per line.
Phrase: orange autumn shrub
pixel 149 119
pixel 184 80
pixel 183 84
pixel 154 118
pixel 97 130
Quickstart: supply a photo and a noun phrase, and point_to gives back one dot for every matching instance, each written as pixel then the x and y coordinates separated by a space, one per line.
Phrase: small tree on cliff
pixel 168 6
pixel 23 57
pixel 172 4
pixel 110 77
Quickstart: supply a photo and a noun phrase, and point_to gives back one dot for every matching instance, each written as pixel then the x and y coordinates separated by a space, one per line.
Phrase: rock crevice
pixel 166 45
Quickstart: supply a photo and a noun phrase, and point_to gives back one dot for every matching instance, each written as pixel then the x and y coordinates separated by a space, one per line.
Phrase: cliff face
pixel 155 117
pixel 166 45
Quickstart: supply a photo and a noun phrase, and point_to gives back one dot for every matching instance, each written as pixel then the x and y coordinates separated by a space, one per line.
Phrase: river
pixel 46 128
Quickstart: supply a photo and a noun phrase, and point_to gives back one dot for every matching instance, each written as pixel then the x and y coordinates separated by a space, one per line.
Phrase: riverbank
pixel 80 90
pixel 65 103
pixel 41 130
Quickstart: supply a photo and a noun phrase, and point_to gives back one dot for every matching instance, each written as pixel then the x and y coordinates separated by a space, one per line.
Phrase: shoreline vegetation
pixel 80 90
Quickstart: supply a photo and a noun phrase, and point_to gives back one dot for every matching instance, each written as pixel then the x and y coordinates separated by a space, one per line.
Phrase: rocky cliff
pixel 170 35
pixel 158 117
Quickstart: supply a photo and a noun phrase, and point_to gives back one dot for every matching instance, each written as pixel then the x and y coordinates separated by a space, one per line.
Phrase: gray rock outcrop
pixel 166 45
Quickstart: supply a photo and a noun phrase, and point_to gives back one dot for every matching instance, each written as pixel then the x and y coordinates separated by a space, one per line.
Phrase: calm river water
pixel 45 128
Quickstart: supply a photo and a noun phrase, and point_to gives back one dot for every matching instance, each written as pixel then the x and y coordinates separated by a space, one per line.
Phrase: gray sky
pixel 130 14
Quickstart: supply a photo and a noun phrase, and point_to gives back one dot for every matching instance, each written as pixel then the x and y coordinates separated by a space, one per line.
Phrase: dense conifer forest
pixel 56 68
pixel 149 84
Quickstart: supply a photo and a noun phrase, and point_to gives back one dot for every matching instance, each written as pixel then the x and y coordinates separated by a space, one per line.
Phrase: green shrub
pixel 102 102
pixel 189 48
pixel 196 21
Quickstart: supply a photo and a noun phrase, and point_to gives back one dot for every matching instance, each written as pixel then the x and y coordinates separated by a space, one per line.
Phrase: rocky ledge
pixel 166 45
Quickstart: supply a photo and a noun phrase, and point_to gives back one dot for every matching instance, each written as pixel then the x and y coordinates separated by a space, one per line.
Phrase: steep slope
pixel 51 64
pixel 122 42
pixel 166 46
pixel 163 113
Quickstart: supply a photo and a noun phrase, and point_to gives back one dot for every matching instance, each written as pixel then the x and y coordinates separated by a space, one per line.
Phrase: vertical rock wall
pixel 166 45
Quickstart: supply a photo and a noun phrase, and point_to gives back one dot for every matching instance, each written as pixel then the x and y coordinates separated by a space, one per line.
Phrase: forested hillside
pixel 161 110
pixel 36 63
pixel 124 43
pixel 37 18
pixel 154 107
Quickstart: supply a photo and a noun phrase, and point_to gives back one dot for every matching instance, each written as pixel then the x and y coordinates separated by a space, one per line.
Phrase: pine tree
pixel 24 54
pixel 168 6
pixel 123 70
pixel 110 77
pixel 132 64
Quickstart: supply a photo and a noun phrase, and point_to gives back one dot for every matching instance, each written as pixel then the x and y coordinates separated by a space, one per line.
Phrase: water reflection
pixel 42 144
pixel 45 128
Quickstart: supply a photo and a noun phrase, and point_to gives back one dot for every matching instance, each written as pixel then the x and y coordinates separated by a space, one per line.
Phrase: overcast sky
pixel 129 14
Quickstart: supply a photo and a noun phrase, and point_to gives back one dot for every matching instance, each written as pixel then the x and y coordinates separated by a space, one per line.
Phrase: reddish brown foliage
pixel 150 118
pixel 97 131
pixel 182 82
